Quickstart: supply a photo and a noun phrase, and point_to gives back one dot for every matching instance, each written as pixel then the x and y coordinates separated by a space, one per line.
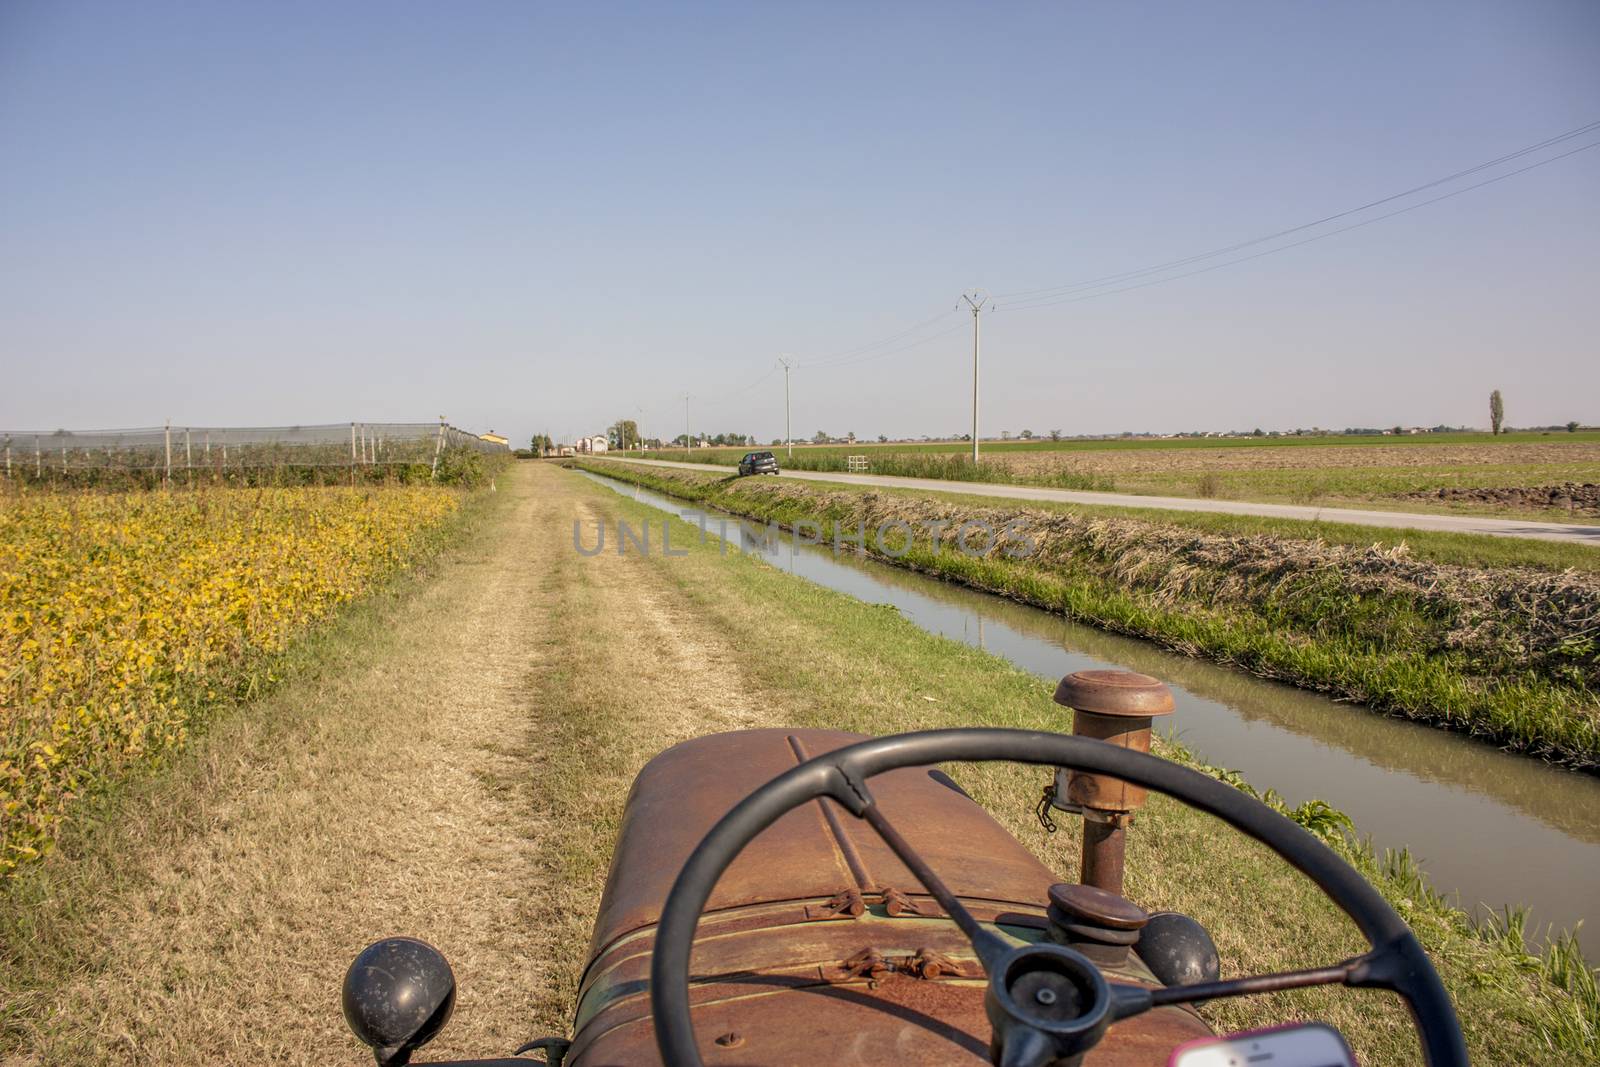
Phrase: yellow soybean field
pixel 124 617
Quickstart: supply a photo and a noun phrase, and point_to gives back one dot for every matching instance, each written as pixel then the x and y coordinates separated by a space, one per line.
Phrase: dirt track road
pixel 1542 531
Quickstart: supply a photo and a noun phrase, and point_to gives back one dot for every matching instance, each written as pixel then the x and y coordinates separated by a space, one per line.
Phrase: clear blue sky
pixel 542 218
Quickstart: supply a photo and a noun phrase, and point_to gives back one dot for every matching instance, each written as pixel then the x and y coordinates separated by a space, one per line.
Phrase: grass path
pixel 451 762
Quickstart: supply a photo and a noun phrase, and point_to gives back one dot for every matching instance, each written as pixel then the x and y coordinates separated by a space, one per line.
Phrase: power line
pixel 1073 299
pixel 957 328
pixel 844 358
pixel 1076 292
pixel 1109 279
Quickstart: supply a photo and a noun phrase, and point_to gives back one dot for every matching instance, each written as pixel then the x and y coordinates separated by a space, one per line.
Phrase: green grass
pixel 856 666
pixel 1302 622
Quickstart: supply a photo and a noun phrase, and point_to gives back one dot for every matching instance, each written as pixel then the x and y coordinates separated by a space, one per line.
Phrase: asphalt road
pixel 1404 520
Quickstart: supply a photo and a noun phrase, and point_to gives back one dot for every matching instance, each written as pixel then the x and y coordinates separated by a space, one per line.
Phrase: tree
pixel 883 439
pixel 1497 411
pixel 1055 435
pixel 820 437
pixel 1027 434
pixel 625 432
pixel 541 444
pixel 1572 427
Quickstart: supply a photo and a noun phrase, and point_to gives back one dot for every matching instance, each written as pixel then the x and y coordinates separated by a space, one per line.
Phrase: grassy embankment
pixel 207 914
pixel 1504 652
pixel 1384 472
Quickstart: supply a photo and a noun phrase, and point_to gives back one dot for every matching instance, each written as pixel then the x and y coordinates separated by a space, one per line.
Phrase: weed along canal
pixel 1488 828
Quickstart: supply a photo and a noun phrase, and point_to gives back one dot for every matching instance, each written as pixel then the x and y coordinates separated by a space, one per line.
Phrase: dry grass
pixel 629 669
pixel 1313 457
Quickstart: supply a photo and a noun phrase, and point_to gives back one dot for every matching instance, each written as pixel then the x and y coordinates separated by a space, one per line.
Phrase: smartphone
pixel 1295 1045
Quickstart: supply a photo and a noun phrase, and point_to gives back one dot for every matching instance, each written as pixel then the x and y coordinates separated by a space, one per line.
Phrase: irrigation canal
pixel 1489 828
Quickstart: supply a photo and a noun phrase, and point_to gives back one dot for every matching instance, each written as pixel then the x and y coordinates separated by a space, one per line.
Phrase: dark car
pixel 758 463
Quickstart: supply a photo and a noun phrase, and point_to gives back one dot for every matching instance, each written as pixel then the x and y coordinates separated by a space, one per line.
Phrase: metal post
pixel 438 446
pixel 169 451
pixel 352 453
pixel 38 459
pixel 788 443
pixel 8 455
pixel 688 438
pixel 1115 707
pixel 188 452
pixel 976 300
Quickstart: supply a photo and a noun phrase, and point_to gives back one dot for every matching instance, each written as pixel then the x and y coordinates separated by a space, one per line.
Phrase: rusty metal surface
pixel 897 1019
pixel 681 793
pixel 1083 903
pixel 1104 855
pixel 1126 693
pixel 818 946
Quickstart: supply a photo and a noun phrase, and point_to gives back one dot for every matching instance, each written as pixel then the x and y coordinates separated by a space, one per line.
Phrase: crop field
pixel 1405 472
pixel 124 617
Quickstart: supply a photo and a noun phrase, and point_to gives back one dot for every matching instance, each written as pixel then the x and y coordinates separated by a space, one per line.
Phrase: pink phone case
pixel 1199 1042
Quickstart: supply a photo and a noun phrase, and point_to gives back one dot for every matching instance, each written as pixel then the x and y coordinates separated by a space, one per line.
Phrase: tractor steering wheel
pixel 1024 1031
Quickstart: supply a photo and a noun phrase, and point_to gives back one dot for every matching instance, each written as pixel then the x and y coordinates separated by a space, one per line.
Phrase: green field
pixel 1394 472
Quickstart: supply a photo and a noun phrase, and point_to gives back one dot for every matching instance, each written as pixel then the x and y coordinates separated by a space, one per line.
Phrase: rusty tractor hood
pixel 818 945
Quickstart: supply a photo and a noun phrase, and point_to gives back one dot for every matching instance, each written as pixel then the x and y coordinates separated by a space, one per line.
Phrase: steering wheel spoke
pixel 988 945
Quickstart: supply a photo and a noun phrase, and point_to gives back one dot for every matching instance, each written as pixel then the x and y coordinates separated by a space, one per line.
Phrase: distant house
pixel 597 443
pixel 494 438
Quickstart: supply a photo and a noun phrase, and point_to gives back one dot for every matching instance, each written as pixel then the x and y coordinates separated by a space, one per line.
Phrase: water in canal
pixel 1489 828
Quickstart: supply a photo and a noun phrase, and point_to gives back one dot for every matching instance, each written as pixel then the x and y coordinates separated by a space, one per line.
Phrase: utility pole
pixel 788 443
pixel 976 300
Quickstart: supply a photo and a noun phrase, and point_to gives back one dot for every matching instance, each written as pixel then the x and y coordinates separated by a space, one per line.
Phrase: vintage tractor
pixel 815 897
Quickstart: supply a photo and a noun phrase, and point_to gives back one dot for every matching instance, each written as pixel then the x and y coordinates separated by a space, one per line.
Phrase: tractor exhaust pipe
pixel 1115 707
